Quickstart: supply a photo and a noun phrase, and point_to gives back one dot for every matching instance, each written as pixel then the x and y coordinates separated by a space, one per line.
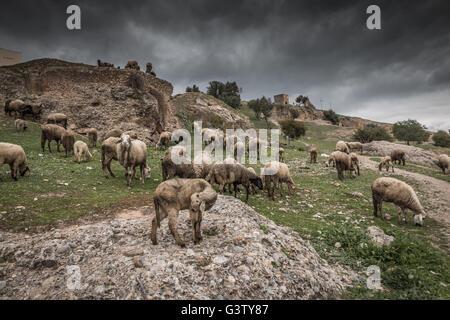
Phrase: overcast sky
pixel 317 48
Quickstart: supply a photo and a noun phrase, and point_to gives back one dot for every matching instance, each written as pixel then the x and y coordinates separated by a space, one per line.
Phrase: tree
pixel 441 139
pixel 262 107
pixel 228 92
pixel 188 89
pixel 294 113
pixel 195 88
pixel 372 133
pixel 331 116
pixel 301 99
pixel 410 130
pixel 292 129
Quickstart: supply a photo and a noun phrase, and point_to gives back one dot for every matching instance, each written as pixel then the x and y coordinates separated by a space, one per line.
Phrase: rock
pixel 357 194
pixel 338 245
pixel 137 261
pixel 105 260
pixel 131 252
pixel 378 237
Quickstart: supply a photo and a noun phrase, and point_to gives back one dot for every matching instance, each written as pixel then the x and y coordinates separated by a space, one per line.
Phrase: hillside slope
pixel 90 96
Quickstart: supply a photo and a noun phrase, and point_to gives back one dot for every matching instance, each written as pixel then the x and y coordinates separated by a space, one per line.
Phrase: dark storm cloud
pixel 318 48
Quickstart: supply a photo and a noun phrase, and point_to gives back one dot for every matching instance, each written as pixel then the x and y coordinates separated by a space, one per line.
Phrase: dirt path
pixel 437 191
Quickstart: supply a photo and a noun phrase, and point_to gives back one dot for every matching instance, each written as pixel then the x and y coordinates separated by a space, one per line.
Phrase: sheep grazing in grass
pixel 34 109
pixel 113 133
pixel 13 155
pixel 253 188
pixel 199 168
pixel 20 125
pixel 358 146
pixel 342 146
pixel 14 106
pixel 57 118
pixel 109 153
pixel 355 161
pixel 398 155
pixel 92 136
pixel 137 156
pixel 313 153
pixel 401 194
pixel 164 139
pixel 68 140
pixel 174 195
pixel 443 162
pixel 331 159
pixel 239 151
pixel 235 174
pixel 80 149
pixel 344 162
pixel 275 173
pixel 51 132
pixel 387 163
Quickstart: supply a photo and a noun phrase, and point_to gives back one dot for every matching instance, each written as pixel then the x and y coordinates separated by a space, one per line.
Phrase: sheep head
pixel 418 219
pixel 257 181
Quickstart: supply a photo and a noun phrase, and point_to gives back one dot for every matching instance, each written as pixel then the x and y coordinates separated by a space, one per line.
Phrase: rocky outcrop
pixel 243 255
pixel 414 154
pixel 90 96
pixel 196 106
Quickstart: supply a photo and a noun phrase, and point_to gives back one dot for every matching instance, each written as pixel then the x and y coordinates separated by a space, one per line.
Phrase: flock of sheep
pixel 193 189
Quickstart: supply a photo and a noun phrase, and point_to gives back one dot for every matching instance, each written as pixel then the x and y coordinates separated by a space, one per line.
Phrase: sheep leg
pixel 221 188
pixel 43 139
pixel 173 217
pixel 280 188
pixel 405 215
pixel 246 189
pixel 57 145
pixel 13 172
pixel 235 189
pixel 49 150
pixel 154 230
pixel 380 202
pixel 375 206
pixel 142 173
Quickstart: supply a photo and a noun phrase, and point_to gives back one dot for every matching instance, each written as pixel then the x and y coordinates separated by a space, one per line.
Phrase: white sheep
pixel 80 149
pixel 401 194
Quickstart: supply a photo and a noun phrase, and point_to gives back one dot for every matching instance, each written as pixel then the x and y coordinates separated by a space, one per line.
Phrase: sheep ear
pixel 202 207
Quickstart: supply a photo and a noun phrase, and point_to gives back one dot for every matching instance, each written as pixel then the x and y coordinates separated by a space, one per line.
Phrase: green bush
pixel 441 139
pixel 331 116
pixel 293 129
pixel 372 133
pixel 410 130
pixel 227 92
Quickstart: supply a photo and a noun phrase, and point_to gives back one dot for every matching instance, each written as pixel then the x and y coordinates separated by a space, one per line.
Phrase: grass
pixel 323 210
pixel 44 192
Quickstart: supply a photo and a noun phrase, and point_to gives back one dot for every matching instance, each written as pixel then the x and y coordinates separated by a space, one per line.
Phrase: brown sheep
pixel 355 146
pixel 113 133
pixel 164 139
pixel 355 161
pixel 401 194
pixel 174 195
pixel 109 153
pixel 80 149
pixel 68 140
pixel 13 155
pixel 398 155
pixel 34 109
pixel 188 170
pixel 137 156
pixel 313 153
pixel 342 146
pixel 343 163
pixel 275 173
pixel 92 136
pixel 20 125
pixel 387 163
pixel 57 118
pixel 14 106
pixel 443 162
pixel 51 132
pixel 235 174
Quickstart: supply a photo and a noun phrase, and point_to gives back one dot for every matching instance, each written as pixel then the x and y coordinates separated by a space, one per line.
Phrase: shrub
pixel 441 139
pixel 331 116
pixel 372 133
pixel 294 113
pixel 292 129
pixel 227 92
pixel 262 107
